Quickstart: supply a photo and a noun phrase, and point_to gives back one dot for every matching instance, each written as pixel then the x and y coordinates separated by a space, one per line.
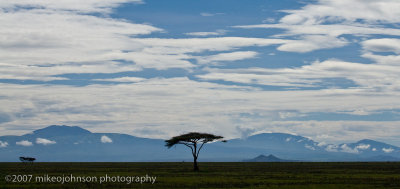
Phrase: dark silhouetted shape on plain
pixel 194 141
pixel 27 159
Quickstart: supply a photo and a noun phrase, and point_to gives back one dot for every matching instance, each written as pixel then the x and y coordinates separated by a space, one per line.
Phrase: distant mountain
pixel 65 143
pixel 56 130
pixel 270 158
pixel 368 147
pixel 77 144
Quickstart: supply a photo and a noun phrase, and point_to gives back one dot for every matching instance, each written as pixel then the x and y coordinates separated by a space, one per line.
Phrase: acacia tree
pixel 195 141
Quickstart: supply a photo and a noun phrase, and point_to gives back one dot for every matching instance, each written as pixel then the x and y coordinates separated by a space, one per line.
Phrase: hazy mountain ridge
pixel 64 143
pixel 269 158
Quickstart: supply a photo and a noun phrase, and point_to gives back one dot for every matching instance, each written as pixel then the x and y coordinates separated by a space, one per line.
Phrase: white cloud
pixel 387 150
pixel 56 37
pixel 363 146
pixel 373 149
pixel 310 43
pixel 331 30
pixel 360 112
pixel 47 34
pixel 323 24
pixel 347 149
pixel 3 144
pixel 105 139
pixel 197 45
pixel 87 6
pixel 386 11
pixel 44 141
pixel 322 137
pixel 232 56
pixel 203 34
pixel 382 45
pixel 331 148
pixel 383 59
pixel 24 143
pixel 204 106
pixel 284 115
pixel 175 53
pixel 123 79
pixel 368 76
pixel 309 147
pixel 373 46
pixel 321 144
pixel 60 38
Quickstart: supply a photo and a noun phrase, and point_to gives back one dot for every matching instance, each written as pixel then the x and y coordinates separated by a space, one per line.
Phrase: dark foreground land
pixel 211 175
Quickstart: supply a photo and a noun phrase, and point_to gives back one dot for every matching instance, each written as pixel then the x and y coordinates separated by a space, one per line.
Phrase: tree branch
pixel 188 145
pixel 200 148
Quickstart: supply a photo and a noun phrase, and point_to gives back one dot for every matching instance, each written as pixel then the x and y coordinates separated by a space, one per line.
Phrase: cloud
pixel 203 34
pixel 232 56
pixel 44 141
pixel 329 30
pixel 59 37
pixel 321 144
pixel 47 34
pixel 89 6
pixel 325 11
pixel 161 53
pixel 331 148
pixel 123 79
pixel 347 149
pixel 363 146
pixel 320 25
pixel 382 45
pixel 198 45
pixel 387 150
pixel 368 76
pixel 205 106
pixel 310 43
pixel 105 139
pixel 288 114
pixel 3 144
pixel 309 147
pixel 385 45
pixel 24 143
pixel 327 36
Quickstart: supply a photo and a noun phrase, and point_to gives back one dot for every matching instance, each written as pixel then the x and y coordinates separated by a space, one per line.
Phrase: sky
pixel 324 69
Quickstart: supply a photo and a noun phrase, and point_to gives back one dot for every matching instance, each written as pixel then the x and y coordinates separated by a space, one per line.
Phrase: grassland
pixel 213 175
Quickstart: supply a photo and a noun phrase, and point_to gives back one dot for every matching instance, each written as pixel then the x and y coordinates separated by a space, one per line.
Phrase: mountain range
pixel 269 158
pixel 75 144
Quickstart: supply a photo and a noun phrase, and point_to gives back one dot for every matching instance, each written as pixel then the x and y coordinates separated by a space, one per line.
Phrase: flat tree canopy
pixel 192 137
pixel 192 140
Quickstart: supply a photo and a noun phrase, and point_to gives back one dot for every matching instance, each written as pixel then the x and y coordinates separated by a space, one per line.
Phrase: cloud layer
pixel 228 87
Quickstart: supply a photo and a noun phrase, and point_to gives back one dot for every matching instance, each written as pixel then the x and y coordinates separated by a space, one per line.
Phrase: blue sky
pixel 325 69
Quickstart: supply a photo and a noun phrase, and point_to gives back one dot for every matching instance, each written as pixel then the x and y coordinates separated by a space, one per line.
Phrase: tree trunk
pixel 195 167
